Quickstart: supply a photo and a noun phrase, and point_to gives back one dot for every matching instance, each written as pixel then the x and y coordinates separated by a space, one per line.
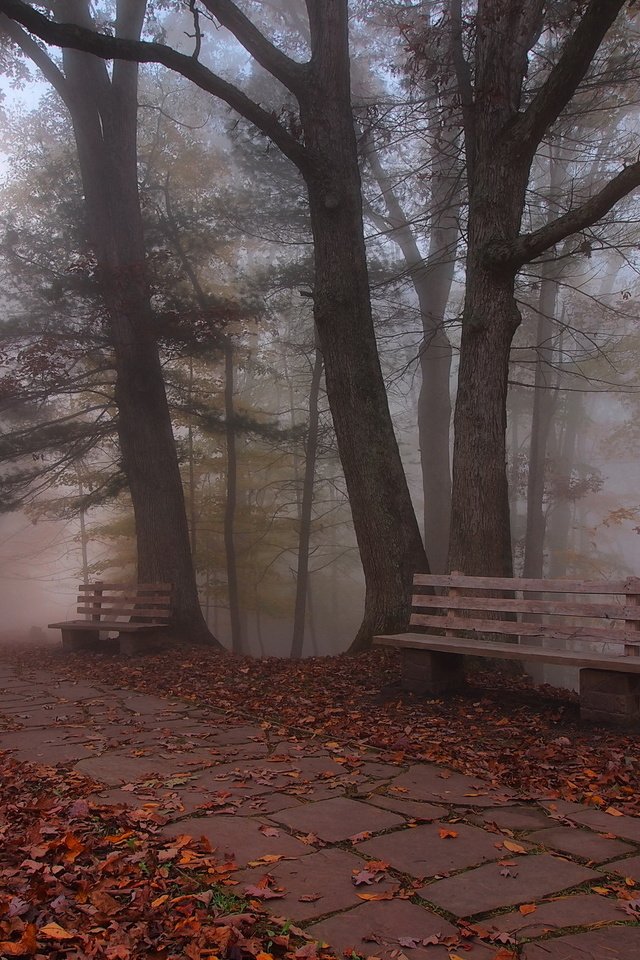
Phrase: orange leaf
pixel 387 895
pixel 20 948
pixel 55 932
pixel 603 891
pixel 527 908
pixel 513 847
pixel 613 812
pixel 446 834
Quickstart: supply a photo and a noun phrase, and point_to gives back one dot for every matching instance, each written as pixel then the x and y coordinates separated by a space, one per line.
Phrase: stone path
pixel 430 849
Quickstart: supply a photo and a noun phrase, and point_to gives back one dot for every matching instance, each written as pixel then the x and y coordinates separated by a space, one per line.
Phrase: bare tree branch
pixel 39 56
pixel 531 245
pixel 291 74
pixel 116 48
pixel 465 87
pixel 563 80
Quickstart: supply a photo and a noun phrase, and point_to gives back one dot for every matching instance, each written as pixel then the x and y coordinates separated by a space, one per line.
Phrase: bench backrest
pixel 144 602
pixel 595 611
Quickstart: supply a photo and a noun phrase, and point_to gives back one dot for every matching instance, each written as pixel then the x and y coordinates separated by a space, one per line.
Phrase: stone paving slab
pixel 374 929
pixel 580 843
pixel 488 888
pixel 422 852
pixel 615 943
pixel 626 868
pixel 628 828
pixel 581 910
pixel 316 885
pixel 241 839
pixel 438 785
pixel 413 809
pixel 338 819
pixel 517 818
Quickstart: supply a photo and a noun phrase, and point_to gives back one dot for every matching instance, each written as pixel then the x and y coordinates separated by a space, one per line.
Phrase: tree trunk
pixel 231 501
pixel 305 513
pixel 104 114
pixel 544 404
pixel 388 537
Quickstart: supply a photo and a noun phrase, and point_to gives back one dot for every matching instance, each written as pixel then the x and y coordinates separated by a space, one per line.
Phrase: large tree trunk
pixel 104 114
pixel 386 529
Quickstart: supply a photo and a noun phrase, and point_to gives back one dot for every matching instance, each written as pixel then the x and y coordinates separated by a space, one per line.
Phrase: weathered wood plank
pixel 129 598
pixel 609 611
pixel 135 587
pixel 628 586
pixel 553 631
pixel 106 625
pixel 511 651
pixel 126 611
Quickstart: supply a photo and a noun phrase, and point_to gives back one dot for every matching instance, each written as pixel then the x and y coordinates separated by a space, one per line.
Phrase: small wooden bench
pixel 139 612
pixel 594 626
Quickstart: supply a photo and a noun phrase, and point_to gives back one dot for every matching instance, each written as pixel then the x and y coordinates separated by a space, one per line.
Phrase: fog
pixel 228 250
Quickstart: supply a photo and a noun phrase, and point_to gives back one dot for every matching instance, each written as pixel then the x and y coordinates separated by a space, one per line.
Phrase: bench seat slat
pixel 98 625
pixel 100 601
pixel 125 611
pixel 510 651
pixel 608 611
pixel 629 586
pixel 135 587
pixel 552 631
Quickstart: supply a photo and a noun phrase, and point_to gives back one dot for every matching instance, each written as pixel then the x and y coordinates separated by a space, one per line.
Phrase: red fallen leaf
pixel 269 831
pixel 264 893
pixel 445 834
pixel 307 952
pixel 357 837
pixel 377 865
pixel 310 897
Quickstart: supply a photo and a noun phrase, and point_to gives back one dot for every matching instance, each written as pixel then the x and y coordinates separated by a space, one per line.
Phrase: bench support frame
pixel 608 696
pixel 431 674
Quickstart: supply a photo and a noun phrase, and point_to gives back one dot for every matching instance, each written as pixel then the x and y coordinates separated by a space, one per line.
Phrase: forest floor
pixel 191 805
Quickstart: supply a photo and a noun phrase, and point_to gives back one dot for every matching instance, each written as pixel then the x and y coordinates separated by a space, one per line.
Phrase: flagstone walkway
pixel 381 859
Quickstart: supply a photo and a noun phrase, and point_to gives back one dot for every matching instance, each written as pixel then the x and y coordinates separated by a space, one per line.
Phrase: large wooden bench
pixel 591 625
pixel 138 612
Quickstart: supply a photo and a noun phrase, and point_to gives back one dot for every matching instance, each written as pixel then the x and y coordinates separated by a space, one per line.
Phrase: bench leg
pixel 608 696
pixel 431 674
pixel 131 644
pixel 74 640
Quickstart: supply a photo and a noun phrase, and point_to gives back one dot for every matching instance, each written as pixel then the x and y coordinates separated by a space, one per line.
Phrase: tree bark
pixel 231 501
pixel 305 512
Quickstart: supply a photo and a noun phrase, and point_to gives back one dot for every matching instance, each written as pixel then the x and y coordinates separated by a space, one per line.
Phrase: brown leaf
pixel 527 908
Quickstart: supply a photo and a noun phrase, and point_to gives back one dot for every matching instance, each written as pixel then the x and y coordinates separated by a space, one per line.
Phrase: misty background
pixel 230 257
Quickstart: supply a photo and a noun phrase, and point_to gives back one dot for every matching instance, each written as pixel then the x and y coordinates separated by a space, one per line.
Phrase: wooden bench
pixel 594 626
pixel 139 612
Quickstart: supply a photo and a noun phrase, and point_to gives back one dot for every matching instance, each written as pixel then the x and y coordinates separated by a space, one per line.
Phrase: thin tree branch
pixel 563 80
pixel 291 74
pixel 465 87
pixel 116 48
pixel 531 245
pixel 35 53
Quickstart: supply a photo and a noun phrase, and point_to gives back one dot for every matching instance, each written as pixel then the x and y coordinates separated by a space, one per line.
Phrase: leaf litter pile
pixel 82 880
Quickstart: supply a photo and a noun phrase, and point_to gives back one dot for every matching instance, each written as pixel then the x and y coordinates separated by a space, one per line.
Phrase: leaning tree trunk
pixel 104 114
pixel 386 529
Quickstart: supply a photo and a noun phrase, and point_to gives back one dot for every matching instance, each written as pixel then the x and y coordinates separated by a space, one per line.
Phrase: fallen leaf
pixel 527 908
pixel 55 932
pixel 445 834
pixel 513 847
